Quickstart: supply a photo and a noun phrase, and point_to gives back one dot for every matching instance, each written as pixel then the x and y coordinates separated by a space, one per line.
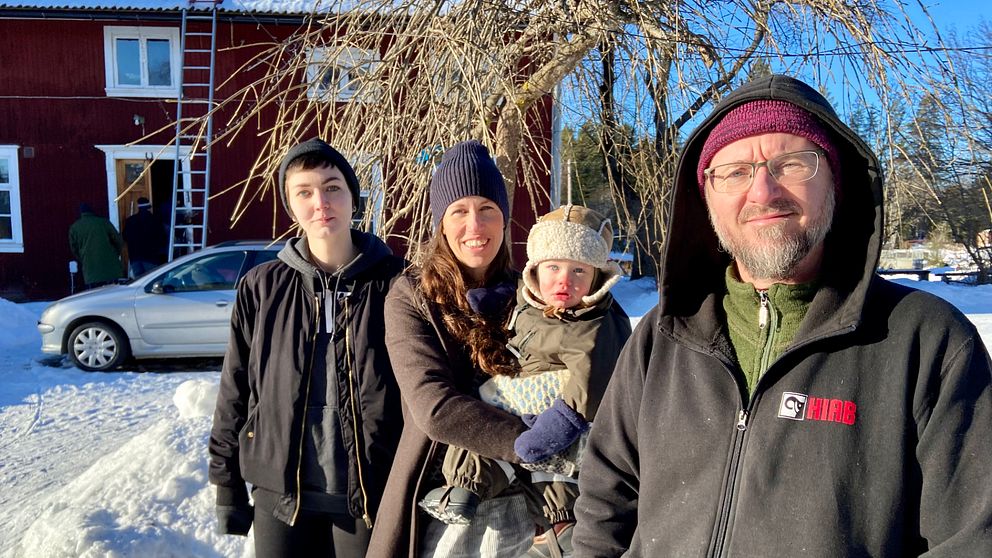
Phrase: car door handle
pixel 221 303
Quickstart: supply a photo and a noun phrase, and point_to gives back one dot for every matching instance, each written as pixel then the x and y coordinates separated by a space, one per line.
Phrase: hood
pixel 371 249
pixel 694 265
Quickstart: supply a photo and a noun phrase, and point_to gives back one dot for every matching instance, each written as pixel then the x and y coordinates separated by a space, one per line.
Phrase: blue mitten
pixel 551 432
pixel 490 301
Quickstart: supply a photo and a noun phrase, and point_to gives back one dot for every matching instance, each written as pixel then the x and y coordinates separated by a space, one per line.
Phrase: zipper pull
pixel 742 421
pixel 763 309
pixel 513 317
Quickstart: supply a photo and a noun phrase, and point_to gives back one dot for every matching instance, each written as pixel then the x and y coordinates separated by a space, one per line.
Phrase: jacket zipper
pixel 768 321
pixel 306 405
pixel 764 313
pixel 354 415
pixel 724 525
pixel 762 309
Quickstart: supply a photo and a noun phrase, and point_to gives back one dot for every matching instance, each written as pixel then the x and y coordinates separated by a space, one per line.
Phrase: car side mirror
pixel 156 288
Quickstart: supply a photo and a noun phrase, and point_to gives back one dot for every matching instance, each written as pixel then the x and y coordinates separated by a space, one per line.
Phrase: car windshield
pixel 130 280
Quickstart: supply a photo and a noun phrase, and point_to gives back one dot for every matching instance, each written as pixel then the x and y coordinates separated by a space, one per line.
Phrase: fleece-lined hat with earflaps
pixel 321 149
pixel 572 232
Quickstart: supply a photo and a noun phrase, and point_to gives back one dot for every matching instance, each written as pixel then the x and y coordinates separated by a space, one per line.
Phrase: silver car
pixel 179 309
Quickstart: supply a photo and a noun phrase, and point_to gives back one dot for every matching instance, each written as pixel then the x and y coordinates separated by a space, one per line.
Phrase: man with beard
pixel 782 398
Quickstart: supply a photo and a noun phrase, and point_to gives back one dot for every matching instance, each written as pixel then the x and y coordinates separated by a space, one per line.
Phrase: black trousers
pixel 314 534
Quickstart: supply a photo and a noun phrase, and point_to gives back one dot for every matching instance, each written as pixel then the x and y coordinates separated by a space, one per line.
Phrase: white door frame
pixel 114 153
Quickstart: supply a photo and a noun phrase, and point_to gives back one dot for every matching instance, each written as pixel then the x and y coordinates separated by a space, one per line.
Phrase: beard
pixel 777 252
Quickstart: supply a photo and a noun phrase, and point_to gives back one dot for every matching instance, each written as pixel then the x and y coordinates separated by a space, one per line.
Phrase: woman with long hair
pixel 445 333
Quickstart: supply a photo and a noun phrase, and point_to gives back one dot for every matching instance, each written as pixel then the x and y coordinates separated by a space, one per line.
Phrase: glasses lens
pixel 731 177
pixel 792 168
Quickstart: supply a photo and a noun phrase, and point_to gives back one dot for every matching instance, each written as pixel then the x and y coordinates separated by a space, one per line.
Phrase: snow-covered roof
pixel 254 6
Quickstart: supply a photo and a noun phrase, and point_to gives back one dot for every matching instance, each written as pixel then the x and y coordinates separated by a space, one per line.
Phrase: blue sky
pixel 960 14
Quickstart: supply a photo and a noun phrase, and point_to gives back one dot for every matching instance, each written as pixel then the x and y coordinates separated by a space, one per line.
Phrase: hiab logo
pixel 799 406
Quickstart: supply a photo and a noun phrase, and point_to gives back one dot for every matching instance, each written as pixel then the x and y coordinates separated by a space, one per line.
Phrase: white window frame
pixel 13 245
pixel 142 34
pixel 345 59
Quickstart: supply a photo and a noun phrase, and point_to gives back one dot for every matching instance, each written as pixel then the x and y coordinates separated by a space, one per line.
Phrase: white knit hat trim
pixel 556 239
pixel 566 240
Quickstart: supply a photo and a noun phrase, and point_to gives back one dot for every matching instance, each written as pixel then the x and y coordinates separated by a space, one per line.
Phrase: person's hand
pixel 234 512
pixel 551 432
pixel 234 520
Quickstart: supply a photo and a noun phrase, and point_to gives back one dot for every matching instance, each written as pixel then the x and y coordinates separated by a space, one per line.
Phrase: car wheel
pixel 97 346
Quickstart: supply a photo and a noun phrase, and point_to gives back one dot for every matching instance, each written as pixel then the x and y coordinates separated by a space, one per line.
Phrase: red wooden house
pixel 80 82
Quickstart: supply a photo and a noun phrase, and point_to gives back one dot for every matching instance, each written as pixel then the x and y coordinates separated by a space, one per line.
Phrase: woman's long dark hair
pixel 444 281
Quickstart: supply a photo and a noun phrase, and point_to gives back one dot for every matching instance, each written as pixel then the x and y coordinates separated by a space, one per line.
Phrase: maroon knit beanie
pixel 764 117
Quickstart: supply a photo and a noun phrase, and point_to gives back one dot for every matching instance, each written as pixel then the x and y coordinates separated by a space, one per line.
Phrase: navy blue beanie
pixel 320 148
pixel 467 169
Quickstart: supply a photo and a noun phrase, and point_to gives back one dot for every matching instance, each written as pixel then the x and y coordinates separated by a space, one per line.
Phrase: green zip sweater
pixel 759 337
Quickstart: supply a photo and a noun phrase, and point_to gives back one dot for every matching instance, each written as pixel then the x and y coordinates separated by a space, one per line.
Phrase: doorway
pixel 125 163
pixel 142 179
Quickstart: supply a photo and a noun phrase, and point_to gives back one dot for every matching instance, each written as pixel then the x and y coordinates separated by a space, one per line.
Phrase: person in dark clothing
pixel 308 411
pixel 783 398
pixel 97 245
pixel 146 239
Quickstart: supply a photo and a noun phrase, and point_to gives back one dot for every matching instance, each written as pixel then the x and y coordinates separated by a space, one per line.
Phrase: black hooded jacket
pixel 292 323
pixel 871 435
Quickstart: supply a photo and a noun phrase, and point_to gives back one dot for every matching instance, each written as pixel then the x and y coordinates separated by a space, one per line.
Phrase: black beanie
pixel 316 146
pixel 467 170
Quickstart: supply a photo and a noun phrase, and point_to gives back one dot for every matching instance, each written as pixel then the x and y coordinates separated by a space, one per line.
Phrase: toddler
pixel 567 332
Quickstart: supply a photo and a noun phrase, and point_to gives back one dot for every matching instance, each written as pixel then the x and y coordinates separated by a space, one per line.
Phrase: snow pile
pixel 18 327
pixel 149 498
pixel 969 299
pixel 196 398
pixel 636 297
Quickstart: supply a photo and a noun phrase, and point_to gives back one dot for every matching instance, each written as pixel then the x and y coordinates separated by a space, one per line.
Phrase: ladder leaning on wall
pixel 194 128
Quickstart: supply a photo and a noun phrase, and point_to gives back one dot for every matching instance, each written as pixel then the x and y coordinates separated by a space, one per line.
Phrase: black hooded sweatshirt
pixel 871 435
pixel 308 405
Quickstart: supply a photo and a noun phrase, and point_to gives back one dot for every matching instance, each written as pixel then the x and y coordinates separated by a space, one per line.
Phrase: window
pixel 141 61
pixel 10 201
pixel 456 79
pixel 341 74
pixel 209 273
pixel 363 206
pixel 369 211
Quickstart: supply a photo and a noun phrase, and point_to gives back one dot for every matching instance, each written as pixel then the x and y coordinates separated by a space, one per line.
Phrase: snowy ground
pixel 114 465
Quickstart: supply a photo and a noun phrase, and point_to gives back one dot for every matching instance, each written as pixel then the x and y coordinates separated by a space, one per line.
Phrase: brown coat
pixel 440 406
